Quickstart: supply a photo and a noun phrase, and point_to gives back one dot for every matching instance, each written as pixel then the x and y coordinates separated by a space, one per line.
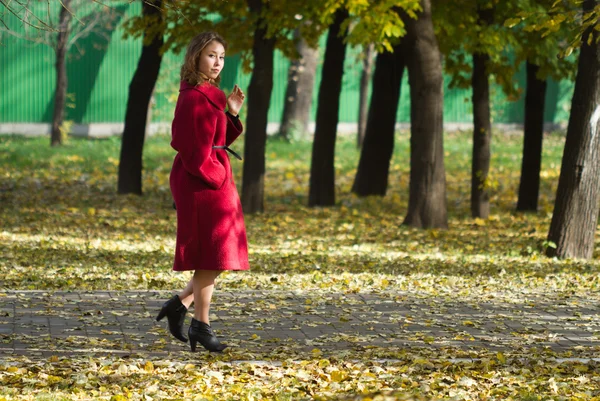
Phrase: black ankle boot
pixel 203 333
pixel 175 312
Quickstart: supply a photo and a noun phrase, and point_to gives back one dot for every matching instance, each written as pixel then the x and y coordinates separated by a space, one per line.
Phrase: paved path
pixel 38 323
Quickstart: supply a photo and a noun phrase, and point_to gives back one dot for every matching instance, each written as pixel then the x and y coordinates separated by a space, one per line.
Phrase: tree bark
pixel 365 78
pixel 378 146
pixel 322 170
pixel 532 143
pixel 482 130
pixel 259 98
pixel 60 94
pixel 482 127
pixel 427 199
pixel 299 92
pixel 575 217
pixel 136 115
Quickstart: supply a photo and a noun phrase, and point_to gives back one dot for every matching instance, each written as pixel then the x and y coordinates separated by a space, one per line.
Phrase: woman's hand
pixel 235 100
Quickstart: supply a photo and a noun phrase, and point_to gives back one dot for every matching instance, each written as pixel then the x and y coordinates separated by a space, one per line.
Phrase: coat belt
pixel 229 150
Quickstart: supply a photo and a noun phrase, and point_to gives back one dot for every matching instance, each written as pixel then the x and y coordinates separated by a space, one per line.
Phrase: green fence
pixel 99 72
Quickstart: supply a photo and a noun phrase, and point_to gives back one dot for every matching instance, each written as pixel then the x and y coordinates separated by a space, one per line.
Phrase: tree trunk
pixel 322 170
pixel 259 97
pixel 482 127
pixel 140 94
pixel 365 78
pixel 482 130
pixel 427 199
pixel 575 217
pixel 374 165
pixel 532 143
pixel 60 94
pixel 299 92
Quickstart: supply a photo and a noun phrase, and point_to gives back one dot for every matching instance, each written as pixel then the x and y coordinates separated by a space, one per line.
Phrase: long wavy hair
pixel 190 71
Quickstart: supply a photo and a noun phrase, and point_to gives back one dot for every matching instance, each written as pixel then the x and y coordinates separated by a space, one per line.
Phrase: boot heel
pixel 175 312
pixel 203 333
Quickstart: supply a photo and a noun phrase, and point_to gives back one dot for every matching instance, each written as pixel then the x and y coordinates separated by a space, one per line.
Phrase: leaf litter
pixel 64 229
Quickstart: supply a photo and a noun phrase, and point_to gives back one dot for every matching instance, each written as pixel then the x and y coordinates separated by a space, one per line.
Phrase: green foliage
pixel 65 129
pixel 378 22
pixel 461 33
pixel 148 25
pixel 234 21
pixel 565 21
pixel 374 22
pixel 522 30
pixel 541 49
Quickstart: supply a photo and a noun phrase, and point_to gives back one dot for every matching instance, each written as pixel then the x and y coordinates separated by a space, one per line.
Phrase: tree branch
pixel 43 25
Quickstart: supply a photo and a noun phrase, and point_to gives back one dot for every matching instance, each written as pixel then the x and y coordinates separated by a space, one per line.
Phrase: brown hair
pixel 190 71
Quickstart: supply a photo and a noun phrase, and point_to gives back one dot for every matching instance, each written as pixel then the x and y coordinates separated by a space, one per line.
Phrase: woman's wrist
pixel 232 115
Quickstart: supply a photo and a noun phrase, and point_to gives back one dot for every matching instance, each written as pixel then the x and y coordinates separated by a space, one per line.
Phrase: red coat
pixel 210 225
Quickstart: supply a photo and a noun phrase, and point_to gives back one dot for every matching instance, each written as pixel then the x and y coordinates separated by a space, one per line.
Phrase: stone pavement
pixel 45 323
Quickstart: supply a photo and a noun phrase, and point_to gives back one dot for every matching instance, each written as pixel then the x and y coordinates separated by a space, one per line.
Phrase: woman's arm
pixel 193 133
pixel 235 100
pixel 234 128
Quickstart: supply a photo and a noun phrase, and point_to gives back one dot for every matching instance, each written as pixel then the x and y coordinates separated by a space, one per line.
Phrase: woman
pixel 211 236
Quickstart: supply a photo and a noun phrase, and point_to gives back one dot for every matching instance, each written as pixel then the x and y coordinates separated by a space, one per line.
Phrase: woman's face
pixel 212 59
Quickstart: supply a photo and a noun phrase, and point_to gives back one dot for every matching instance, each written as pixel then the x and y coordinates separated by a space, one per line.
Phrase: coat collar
pixel 213 94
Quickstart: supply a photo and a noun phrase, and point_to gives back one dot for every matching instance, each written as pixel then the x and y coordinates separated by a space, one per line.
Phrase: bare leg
pixel 204 285
pixel 187 294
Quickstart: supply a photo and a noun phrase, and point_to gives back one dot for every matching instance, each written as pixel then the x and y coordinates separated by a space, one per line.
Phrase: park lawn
pixel 64 228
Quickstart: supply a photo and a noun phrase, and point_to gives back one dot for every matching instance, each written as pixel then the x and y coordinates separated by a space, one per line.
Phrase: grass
pixel 60 211
pixel 64 228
